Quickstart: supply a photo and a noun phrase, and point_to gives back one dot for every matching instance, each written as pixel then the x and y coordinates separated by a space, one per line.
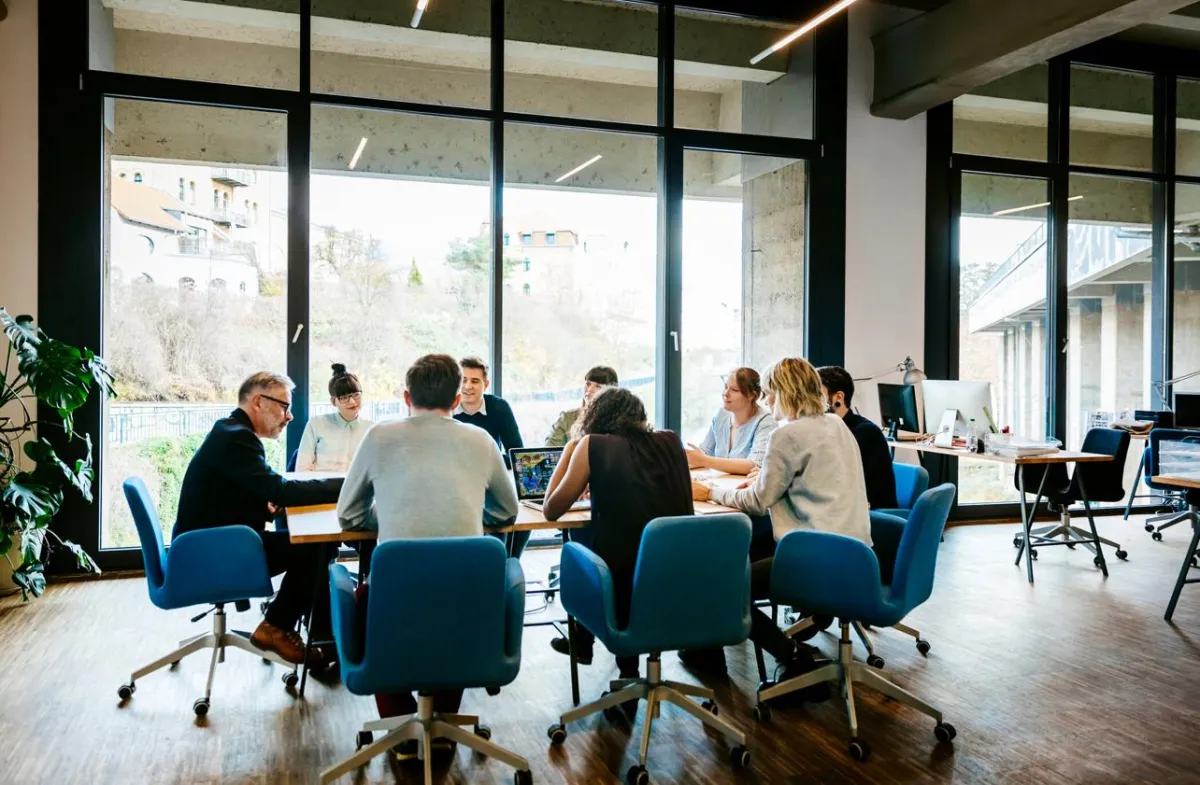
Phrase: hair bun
pixel 339 369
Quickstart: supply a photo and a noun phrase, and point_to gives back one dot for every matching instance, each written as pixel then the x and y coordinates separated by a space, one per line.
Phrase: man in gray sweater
pixel 426 476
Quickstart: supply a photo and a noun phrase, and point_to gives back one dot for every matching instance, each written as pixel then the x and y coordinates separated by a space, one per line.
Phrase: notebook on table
pixel 532 468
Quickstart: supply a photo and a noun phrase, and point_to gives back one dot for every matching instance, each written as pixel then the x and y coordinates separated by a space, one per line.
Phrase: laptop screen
pixel 532 469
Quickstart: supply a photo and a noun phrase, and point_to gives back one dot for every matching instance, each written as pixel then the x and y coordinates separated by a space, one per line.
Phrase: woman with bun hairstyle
pixel 330 440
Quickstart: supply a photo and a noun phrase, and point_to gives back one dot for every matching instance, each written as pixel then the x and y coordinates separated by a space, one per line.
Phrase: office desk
pixel 1027 512
pixel 1191 483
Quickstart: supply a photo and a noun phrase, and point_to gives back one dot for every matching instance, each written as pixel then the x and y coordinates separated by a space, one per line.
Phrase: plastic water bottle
pixel 972 436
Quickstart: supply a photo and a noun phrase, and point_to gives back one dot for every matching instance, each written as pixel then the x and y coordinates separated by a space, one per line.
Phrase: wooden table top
pixel 319 523
pixel 1062 456
pixel 1178 482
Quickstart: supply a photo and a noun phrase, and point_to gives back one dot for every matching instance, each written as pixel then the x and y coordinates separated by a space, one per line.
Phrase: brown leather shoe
pixel 286 643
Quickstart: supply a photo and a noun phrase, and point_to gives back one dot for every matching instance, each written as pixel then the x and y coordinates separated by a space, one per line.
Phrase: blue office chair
pixel 416 639
pixel 1171 498
pixel 839 576
pixel 205 567
pixel 911 481
pixel 691 590
pixel 1183 511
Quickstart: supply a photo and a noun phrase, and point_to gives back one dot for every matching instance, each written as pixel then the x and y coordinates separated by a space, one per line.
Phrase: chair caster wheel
pixel 1070 546
pixel 1195 562
pixel 1099 562
pixel 637 775
pixel 1033 554
pixel 523 778
pixel 363 739
pixel 201 707
pixel 875 661
pixel 125 691
pixel 557 734
pixel 291 679
pixel 922 646
pixel 550 595
pixel 266 660
pixel 859 749
pixel 175 664
pixel 483 732
pixel 762 712
pixel 710 707
pixel 493 691
pixel 1123 555
pixel 1157 536
pixel 1017 541
pixel 944 732
pixel 740 757
pixel 1149 527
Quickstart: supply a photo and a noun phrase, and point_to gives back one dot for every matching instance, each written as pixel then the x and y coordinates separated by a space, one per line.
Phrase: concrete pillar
pixel 1036 371
pixel 773 265
pixel 1109 359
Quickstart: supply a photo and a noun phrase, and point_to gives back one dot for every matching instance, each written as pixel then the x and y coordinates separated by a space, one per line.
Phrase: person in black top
pixel 229 482
pixel 838 387
pixel 490 413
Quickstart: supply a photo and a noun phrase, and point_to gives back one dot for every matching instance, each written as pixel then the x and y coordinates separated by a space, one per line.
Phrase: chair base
pixel 1171 519
pixel 873 659
pixel 424 727
pixel 655 691
pixel 218 640
pixel 846 672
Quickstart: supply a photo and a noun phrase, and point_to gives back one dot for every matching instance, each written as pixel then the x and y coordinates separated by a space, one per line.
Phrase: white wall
pixel 18 158
pixel 885 222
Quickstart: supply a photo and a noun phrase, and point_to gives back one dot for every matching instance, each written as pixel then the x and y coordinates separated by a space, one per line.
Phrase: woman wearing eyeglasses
pixel 330 440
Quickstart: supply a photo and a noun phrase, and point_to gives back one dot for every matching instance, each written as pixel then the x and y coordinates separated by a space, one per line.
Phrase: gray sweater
pixel 426 476
pixel 812 478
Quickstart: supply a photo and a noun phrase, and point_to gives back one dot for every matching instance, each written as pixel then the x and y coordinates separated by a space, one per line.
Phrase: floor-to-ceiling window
pixel 546 184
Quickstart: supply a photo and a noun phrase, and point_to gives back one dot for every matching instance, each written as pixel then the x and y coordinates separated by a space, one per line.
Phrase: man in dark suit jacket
pixel 229 482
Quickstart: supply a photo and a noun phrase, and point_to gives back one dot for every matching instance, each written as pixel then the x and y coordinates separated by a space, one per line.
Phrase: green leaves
pixel 51 467
pixel 30 498
pixel 31 578
pixel 22 332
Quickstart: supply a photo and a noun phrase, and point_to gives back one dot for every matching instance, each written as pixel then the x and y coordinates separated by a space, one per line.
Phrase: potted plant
pixel 61 377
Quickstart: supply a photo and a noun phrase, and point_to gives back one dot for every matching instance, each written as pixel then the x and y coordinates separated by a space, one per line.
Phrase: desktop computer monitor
pixel 1187 410
pixel 898 407
pixel 970 398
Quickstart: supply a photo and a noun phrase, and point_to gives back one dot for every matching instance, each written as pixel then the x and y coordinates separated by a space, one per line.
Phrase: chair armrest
pixel 587 589
pixel 823 572
pixel 221 564
pixel 343 607
pixel 514 608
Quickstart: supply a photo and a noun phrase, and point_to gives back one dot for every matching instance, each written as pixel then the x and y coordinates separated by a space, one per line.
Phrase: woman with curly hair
pixel 635 474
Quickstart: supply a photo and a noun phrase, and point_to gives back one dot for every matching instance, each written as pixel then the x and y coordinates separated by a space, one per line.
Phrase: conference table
pixel 1188 483
pixel 318 524
pixel 1027 512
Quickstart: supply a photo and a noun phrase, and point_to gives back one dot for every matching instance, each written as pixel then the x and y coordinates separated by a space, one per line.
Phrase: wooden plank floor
pixel 1073 680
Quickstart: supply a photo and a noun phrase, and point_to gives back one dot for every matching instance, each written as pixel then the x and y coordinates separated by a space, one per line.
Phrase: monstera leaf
pixel 31 499
pixel 51 468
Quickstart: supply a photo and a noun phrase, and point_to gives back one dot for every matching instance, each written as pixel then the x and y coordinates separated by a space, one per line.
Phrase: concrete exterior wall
pixel 773 266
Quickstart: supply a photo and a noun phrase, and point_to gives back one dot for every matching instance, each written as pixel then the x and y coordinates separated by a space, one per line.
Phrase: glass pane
pixel 1112 118
pixel 1186 341
pixel 1002 316
pixel 1187 127
pixel 1006 118
pixel 195 286
pixel 439 55
pixel 580 261
pixel 743 272
pixel 1109 309
pixel 595 60
pixel 401 249
pixel 717 88
pixel 226 41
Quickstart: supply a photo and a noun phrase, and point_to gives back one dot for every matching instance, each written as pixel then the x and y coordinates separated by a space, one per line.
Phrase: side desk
pixel 1027 512
pixel 1189 484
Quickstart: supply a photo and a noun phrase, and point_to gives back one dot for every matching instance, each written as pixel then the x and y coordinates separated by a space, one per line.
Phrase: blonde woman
pixel 811 478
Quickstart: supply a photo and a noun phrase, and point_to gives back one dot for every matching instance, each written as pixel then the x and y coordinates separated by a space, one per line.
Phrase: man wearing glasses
pixel 229 482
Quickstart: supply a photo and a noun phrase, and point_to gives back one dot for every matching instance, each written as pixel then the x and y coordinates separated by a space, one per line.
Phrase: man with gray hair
pixel 229 482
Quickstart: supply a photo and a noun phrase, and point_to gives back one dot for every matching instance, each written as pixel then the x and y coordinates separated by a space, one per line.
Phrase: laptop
pixel 532 468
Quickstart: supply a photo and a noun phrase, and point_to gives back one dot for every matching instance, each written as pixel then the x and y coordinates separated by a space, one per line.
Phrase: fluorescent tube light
pixel 421 6
pixel 579 168
pixel 1012 210
pixel 358 153
pixel 819 19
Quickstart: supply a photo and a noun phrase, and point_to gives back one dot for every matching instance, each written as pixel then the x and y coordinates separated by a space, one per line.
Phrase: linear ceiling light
pixel 579 168
pixel 1012 210
pixel 421 6
pixel 819 19
pixel 358 153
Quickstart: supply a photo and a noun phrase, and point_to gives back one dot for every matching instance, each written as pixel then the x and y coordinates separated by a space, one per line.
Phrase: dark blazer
pixel 230 482
pixel 498 422
pixel 876 461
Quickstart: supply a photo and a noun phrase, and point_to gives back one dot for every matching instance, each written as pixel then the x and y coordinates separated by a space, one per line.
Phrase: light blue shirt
pixel 749 441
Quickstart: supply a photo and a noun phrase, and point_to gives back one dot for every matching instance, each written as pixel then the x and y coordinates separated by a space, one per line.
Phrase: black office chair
pixel 1089 483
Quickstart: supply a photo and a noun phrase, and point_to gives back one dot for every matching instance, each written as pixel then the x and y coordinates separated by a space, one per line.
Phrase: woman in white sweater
pixel 811 478
pixel 330 440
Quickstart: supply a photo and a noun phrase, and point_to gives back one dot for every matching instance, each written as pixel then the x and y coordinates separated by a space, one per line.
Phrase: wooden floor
pixel 1074 680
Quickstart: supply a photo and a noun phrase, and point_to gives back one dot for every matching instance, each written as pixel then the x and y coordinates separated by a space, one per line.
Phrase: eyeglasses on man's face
pixel 353 397
pixel 287 405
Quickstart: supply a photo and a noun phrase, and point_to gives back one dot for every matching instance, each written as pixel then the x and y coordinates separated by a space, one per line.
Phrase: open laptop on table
pixel 532 468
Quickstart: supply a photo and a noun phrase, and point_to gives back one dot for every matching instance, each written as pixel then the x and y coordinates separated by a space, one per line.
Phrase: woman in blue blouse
pixel 737 439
